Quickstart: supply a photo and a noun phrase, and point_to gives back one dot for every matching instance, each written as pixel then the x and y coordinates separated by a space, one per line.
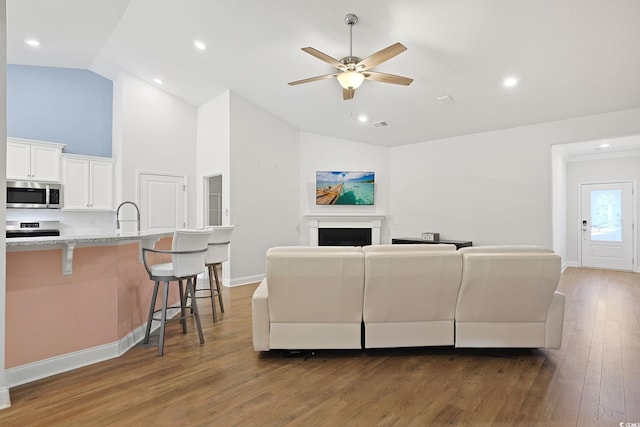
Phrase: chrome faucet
pixel 118 214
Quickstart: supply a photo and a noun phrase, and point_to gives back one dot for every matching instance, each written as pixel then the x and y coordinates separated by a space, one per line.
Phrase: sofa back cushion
pixel 505 249
pixel 507 287
pixel 411 286
pixel 315 284
pixel 409 248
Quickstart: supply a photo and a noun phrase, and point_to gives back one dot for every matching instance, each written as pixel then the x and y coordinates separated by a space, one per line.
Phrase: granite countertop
pixel 93 239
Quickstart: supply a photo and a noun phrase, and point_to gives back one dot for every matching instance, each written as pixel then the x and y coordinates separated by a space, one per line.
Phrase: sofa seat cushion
pixel 500 334
pixel 408 334
pixel 315 336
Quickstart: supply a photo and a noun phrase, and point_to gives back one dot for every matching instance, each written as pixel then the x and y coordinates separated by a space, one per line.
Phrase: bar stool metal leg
pixel 154 297
pixel 218 290
pixel 183 300
pixel 211 287
pixel 163 318
pixel 194 307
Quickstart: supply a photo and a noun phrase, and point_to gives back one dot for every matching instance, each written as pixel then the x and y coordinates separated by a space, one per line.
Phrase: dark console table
pixel 408 240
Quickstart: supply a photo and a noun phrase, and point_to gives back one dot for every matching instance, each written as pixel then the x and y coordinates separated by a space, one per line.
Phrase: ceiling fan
pixel 352 71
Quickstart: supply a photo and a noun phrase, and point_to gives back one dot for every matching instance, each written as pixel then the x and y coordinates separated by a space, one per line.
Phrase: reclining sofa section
pixel 408 296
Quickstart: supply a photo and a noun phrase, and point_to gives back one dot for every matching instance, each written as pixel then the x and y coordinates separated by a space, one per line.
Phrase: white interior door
pixel 607 225
pixel 162 201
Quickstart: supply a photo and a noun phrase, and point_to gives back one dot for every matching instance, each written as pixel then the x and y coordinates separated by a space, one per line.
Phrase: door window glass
pixel 606 215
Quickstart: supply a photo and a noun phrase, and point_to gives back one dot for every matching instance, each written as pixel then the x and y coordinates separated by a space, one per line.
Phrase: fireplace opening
pixel 344 236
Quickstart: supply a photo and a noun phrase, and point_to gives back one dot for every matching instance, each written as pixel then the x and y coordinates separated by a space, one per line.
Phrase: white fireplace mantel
pixel 316 221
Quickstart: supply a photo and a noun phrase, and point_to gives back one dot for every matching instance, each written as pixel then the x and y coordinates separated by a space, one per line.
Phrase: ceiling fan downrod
pixel 350 19
pixel 350 61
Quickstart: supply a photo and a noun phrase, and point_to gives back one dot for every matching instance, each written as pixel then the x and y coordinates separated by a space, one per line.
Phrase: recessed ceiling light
pixel 362 118
pixel 603 146
pixel 32 42
pixel 157 81
pixel 510 81
pixel 199 45
pixel 445 99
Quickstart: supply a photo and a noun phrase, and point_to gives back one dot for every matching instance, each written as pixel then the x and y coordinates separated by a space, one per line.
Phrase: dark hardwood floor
pixel 593 380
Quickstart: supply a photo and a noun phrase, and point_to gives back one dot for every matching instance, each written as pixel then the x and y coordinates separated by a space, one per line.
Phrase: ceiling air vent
pixel 381 124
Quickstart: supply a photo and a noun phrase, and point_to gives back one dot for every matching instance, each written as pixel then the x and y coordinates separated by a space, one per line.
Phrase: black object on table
pixel 408 240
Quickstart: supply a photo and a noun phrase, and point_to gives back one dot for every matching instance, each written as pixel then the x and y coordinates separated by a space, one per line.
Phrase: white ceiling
pixel 574 57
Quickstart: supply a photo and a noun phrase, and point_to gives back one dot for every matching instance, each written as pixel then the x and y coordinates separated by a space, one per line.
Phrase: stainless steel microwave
pixel 33 195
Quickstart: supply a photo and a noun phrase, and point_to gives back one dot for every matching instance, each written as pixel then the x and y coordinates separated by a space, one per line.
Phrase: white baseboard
pixel 577 265
pixel 5 400
pixel 67 362
pixel 569 264
pixel 246 280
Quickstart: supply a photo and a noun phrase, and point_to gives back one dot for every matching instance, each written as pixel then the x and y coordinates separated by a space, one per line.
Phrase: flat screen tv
pixel 345 188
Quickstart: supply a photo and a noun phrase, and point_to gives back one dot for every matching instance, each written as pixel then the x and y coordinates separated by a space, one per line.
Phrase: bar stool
pixel 188 252
pixel 217 253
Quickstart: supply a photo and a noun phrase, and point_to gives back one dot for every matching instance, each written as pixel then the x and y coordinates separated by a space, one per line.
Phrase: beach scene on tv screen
pixel 344 188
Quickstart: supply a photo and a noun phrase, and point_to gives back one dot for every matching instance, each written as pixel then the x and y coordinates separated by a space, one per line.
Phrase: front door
pixel 607 225
pixel 162 201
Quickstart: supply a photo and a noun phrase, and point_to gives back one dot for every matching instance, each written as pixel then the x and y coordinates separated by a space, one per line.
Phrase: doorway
pixel 606 228
pixel 213 200
pixel 162 201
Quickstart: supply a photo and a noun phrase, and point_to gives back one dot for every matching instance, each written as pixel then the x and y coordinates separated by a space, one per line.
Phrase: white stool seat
pixel 164 269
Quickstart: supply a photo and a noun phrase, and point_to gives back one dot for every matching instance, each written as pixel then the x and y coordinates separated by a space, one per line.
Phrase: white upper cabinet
pixel 87 182
pixel 33 160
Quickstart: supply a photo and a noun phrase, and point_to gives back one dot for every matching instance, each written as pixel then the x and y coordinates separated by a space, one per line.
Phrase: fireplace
pixel 371 225
pixel 344 236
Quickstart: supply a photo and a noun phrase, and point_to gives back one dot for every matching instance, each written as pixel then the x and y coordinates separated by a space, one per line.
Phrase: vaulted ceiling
pixel 572 57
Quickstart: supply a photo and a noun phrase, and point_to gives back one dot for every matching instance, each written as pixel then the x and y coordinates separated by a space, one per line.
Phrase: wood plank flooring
pixel 593 380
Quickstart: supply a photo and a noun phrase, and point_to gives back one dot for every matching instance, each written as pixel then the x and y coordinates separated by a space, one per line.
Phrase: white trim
pixel 601 156
pixel 36 142
pixel 5 399
pixel 246 280
pixel 570 264
pixel 67 362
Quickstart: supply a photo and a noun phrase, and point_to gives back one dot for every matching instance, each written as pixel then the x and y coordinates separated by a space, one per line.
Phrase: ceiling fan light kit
pixel 350 79
pixel 352 71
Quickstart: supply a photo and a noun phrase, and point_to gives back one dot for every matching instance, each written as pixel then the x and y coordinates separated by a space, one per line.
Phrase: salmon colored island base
pixel 48 314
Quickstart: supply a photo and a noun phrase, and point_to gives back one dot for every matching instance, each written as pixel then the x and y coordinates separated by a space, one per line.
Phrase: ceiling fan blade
pixel 380 56
pixel 312 79
pixel 387 78
pixel 348 93
pixel 324 57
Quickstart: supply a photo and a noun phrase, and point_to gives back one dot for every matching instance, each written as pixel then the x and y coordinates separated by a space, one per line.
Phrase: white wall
pixel 322 153
pixel 595 171
pixel 559 203
pixel 5 401
pixel 153 131
pixel 493 187
pixel 263 187
pixel 212 158
pixel 213 151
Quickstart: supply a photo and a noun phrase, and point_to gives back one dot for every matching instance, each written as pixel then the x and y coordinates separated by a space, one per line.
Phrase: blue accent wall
pixel 65 105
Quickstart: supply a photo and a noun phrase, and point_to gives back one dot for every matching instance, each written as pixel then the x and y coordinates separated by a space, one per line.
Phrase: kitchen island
pixel 91 306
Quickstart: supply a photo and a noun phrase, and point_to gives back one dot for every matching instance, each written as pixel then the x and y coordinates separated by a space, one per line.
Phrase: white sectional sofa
pixel 407 296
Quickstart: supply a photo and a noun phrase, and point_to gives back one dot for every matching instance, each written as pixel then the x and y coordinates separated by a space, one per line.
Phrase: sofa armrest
pixel 555 322
pixel 260 317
